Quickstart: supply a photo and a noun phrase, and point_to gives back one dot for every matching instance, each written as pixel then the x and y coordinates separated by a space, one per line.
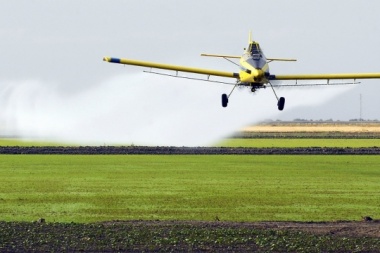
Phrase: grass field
pixel 80 188
pixel 85 189
pixel 27 143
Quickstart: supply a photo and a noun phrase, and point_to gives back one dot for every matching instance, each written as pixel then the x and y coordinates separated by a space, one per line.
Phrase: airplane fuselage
pixel 254 66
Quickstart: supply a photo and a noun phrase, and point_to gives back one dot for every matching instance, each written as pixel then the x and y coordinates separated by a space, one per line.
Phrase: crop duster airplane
pixel 254 72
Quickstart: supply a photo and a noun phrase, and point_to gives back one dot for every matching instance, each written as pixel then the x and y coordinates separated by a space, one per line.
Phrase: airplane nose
pixel 251 76
pixel 258 76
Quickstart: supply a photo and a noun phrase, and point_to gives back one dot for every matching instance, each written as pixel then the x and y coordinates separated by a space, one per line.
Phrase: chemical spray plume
pixel 136 109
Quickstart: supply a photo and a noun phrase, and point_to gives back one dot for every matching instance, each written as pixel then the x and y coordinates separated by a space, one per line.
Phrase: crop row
pixel 307 135
pixel 146 150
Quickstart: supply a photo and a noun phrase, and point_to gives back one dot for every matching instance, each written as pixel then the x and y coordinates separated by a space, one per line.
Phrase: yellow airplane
pixel 254 72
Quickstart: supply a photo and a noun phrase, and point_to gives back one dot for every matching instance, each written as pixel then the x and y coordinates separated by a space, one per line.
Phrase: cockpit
pixel 255 50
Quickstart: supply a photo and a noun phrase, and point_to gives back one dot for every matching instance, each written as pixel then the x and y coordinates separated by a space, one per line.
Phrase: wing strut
pixel 229 95
pixel 273 90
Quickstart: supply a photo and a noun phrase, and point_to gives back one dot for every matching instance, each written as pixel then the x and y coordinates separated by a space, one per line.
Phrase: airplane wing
pixel 325 76
pixel 171 67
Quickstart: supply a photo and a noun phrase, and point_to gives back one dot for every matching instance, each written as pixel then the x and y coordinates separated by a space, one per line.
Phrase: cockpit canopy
pixel 255 50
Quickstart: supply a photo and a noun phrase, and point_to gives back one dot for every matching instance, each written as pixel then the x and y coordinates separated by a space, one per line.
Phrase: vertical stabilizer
pixel 250 37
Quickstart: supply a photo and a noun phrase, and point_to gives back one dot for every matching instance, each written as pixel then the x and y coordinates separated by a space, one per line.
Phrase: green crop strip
pixel 83 188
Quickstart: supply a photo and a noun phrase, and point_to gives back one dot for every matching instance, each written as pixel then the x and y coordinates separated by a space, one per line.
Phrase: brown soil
pixel 338 228
pixel 341 228
pixel 190 236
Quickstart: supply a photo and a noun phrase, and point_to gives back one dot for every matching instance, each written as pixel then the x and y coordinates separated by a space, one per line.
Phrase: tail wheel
pixel 224 100
pixel 281 103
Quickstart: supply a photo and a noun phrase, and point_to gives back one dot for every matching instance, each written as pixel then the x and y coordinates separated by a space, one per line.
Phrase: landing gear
pixel 225 97
pixel 281 103
pixel 254 88
pixel 224 100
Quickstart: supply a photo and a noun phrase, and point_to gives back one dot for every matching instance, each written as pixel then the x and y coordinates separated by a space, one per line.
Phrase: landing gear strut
pixel 280 101
pixel 225 97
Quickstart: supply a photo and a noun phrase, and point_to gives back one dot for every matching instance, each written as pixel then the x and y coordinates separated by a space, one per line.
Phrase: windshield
pixel 255 49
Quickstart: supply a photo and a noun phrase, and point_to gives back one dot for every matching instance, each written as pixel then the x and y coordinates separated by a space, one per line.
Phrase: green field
pixel 83 188
pixel 291 143
pixel 27 143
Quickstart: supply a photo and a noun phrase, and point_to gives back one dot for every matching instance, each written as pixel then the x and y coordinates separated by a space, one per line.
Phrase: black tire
pixel 224 100
pixel 281 103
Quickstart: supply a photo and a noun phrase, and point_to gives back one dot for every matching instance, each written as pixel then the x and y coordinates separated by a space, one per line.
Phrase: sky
pixel 54 84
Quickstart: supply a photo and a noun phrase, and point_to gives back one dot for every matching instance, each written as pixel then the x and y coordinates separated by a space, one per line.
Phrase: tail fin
pixel 250 37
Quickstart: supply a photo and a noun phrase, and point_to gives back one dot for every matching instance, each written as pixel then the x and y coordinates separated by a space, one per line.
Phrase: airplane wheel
pixel 224 100
pixel 281 103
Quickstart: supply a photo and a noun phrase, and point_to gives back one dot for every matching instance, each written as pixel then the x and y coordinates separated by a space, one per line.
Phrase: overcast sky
pixel 58 46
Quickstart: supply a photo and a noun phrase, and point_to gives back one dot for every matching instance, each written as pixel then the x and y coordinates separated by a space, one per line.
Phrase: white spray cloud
pixel 140 109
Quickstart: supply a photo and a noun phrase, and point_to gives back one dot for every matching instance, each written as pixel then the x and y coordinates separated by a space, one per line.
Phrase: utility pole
pixel 361 118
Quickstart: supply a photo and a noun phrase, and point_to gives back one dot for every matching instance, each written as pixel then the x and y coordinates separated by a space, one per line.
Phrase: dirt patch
pixel 190 236
pixel 338 228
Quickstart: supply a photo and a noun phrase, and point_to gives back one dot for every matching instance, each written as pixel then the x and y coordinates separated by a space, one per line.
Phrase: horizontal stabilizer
pixel 238 57
pixel 222 56
pixel 280 59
